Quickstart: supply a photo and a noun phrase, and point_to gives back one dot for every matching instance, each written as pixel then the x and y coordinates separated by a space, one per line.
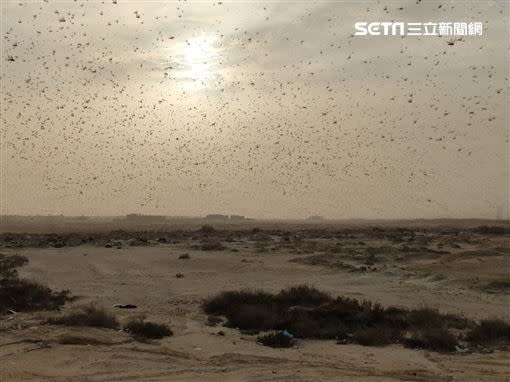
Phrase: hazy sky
pixel 266 109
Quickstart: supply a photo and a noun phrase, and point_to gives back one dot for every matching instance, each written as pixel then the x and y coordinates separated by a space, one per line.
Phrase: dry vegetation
pixel 309 313
pixel 87 315
pixel 148 330
pixel 22 295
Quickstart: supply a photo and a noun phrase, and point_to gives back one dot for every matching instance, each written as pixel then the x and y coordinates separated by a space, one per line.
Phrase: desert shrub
pixel 213 320
pixel 149 330
pixel 436 339
pixel 303 323
pixel 425 318
pixel 260 317
pixel 87 315
pixel 276 340
pixel 24 296
pixel 302 295
pixel 207 229
pixel 490 332
pixel 8 265
pixel 309 313
pixel 226 302
pixel 376 336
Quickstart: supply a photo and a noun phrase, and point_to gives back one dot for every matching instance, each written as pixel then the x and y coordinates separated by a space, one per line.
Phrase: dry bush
pixel 377 336
pixel 490 332
pixel 436 339
pixel 213 320
pixel 207 230
pixel 226 302
pixel 303 295
pixel 150 330
pixel 309 313
pixel 8 265
pixel 87 315
pixel 276 340
pixel 259 317
pixel 24 295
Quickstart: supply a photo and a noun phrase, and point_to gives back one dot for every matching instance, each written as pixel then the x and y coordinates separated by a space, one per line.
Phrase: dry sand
pixel 447 272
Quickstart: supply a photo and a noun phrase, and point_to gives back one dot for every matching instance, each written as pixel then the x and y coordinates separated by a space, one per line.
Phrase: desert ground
pixel 457 270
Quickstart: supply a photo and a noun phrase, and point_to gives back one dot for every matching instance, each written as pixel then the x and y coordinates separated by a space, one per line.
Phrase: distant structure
pixel 220 217
pixel 216 217
pixel 139 218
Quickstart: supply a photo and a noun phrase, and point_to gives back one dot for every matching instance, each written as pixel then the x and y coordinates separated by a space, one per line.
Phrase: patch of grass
pixel 87 315
pixel 148 330
pixel 490 332
pixel 276 340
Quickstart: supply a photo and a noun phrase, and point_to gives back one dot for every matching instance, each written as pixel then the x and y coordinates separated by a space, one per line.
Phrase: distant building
pixel 139 218
pixel 216 217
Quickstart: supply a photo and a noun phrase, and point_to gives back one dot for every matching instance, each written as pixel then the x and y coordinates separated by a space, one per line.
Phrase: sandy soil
pixel 449 273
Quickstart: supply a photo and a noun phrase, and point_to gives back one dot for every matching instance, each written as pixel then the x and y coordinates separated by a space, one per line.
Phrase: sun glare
pixel 198 57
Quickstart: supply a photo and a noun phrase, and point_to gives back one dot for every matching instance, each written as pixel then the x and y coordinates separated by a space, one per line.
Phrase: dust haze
pixel 269 110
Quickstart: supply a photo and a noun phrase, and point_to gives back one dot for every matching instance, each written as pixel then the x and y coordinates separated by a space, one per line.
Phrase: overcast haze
pixel 263 109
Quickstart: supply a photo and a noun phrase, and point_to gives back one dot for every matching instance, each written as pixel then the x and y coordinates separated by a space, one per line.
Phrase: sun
pixel 199 56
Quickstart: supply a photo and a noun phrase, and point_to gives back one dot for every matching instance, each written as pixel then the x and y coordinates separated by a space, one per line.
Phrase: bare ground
pixel 447 271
